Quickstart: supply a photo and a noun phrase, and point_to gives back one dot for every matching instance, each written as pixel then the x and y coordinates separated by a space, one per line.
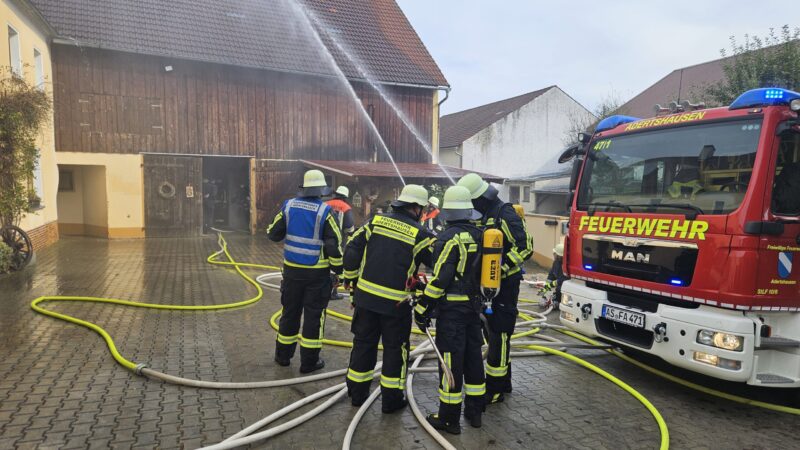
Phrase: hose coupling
pixel 139 368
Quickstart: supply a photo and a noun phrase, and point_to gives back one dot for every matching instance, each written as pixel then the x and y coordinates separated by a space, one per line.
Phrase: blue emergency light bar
pixel 764 97
pixel 613 122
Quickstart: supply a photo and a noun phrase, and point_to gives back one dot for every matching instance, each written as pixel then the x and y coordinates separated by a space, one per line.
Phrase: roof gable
pixel 687 83
pixel 264 34
pixel 458 127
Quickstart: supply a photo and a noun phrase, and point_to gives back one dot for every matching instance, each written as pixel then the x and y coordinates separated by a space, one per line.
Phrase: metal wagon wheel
pixel 20 244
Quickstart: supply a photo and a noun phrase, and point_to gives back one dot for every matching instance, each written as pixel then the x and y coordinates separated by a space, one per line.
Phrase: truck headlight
pixel 566 300
pixel 725 341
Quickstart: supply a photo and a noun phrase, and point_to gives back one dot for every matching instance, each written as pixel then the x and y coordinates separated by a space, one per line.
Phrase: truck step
pixel 778 342
pixel 771 378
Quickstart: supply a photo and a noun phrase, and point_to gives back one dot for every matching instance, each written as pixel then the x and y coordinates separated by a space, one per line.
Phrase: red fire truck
pixel 684 237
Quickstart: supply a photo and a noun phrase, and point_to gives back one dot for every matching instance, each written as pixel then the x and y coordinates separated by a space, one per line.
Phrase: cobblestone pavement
pixel 60 388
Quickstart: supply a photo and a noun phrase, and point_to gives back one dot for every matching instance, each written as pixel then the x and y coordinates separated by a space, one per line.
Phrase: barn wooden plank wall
pixel 115 102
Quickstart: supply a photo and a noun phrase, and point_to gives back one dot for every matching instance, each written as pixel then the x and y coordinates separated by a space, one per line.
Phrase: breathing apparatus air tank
pixel 491 265
pixel 520 211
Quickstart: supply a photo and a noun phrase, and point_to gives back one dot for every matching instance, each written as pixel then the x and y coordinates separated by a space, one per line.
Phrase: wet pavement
pixel 60 387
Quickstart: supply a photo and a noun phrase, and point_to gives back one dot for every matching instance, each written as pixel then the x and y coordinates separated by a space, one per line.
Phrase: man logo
pixel 785 264
pixel 620 255
pixel 631 242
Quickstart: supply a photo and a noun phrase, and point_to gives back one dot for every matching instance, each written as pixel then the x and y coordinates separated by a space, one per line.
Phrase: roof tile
pixel 265 34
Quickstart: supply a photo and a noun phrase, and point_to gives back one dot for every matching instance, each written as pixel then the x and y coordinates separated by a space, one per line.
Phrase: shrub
pixel 6 256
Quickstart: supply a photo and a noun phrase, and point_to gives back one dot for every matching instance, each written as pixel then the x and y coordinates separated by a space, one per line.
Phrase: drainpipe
pixel 435 156
pixel 446 96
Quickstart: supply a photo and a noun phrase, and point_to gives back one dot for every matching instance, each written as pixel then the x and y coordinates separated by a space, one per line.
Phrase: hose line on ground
pixel 535 320
pixel 682 382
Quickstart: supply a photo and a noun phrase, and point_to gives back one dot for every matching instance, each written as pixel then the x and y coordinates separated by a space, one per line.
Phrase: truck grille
pixel 659 261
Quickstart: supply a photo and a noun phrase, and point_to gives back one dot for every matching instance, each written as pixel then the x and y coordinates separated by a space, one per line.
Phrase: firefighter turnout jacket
pixel 432 221
pixel 313 239
pixel 454 293
pixel 381 256
pixel 343 213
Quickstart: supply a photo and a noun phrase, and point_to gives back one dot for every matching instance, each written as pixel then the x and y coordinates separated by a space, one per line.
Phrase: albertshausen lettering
pixel 396 225
pixel 663 228
pixel 666 120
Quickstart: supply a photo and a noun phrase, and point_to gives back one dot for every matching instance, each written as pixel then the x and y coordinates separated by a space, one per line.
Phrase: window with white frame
pixel 526 194
pixel 38 65
pixel 15 59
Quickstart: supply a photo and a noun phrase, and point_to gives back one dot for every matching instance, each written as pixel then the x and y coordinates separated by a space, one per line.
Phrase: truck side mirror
pixel 570 152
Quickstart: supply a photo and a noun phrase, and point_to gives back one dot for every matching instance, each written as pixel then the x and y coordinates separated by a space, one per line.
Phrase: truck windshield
pixel 698 169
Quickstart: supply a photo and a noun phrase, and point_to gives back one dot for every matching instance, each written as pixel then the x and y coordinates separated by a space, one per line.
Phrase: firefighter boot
pixel 392 400
pixel 358 392
pixel 312 368
pixel 473 409
pixel 494 397
pixel 284 353
pixel 507 384
pixel 447 419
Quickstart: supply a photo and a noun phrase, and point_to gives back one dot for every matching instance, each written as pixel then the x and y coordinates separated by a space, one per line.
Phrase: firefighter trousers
pixel 369 327
pixel 501 326
pixel 300 297
pixel 459 339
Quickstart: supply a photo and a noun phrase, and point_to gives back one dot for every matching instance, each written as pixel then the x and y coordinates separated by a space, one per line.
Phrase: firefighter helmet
pixel 412 194
pixel 314 184
pixel 458 205
pixel 477 186
pixel 343 191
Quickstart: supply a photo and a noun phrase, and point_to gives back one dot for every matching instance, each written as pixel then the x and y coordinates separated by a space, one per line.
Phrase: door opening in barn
pixel 226 193
pixel 82 202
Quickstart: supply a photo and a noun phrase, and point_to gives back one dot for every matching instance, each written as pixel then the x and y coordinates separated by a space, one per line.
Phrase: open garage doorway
pixel 226 193
pixel 82 200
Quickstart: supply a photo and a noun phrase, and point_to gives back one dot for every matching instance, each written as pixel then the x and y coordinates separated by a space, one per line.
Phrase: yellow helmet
pixel 457 205
pixel 434 201
pixel 314 184
pixel 412 194
pixel 474 184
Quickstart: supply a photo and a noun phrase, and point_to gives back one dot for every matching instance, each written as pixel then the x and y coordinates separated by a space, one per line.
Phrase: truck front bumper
pixel 670 332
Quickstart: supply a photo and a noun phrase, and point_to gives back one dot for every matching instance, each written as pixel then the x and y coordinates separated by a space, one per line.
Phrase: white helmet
pixel 343 191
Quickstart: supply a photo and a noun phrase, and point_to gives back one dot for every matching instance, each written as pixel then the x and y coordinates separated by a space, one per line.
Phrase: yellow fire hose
pixel 237 266
pixel 689 384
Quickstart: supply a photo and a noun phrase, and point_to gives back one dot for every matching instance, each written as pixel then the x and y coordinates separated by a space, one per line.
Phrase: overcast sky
pixel 494 49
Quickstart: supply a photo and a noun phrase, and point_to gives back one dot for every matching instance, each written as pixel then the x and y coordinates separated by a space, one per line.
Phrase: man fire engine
pixel 683 235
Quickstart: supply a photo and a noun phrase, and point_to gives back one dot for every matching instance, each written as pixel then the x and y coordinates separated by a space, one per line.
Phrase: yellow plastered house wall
pixel 107 199
pixel 32 36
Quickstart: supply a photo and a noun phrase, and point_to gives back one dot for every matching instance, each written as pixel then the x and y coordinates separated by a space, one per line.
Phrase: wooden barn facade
pixel 160 137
